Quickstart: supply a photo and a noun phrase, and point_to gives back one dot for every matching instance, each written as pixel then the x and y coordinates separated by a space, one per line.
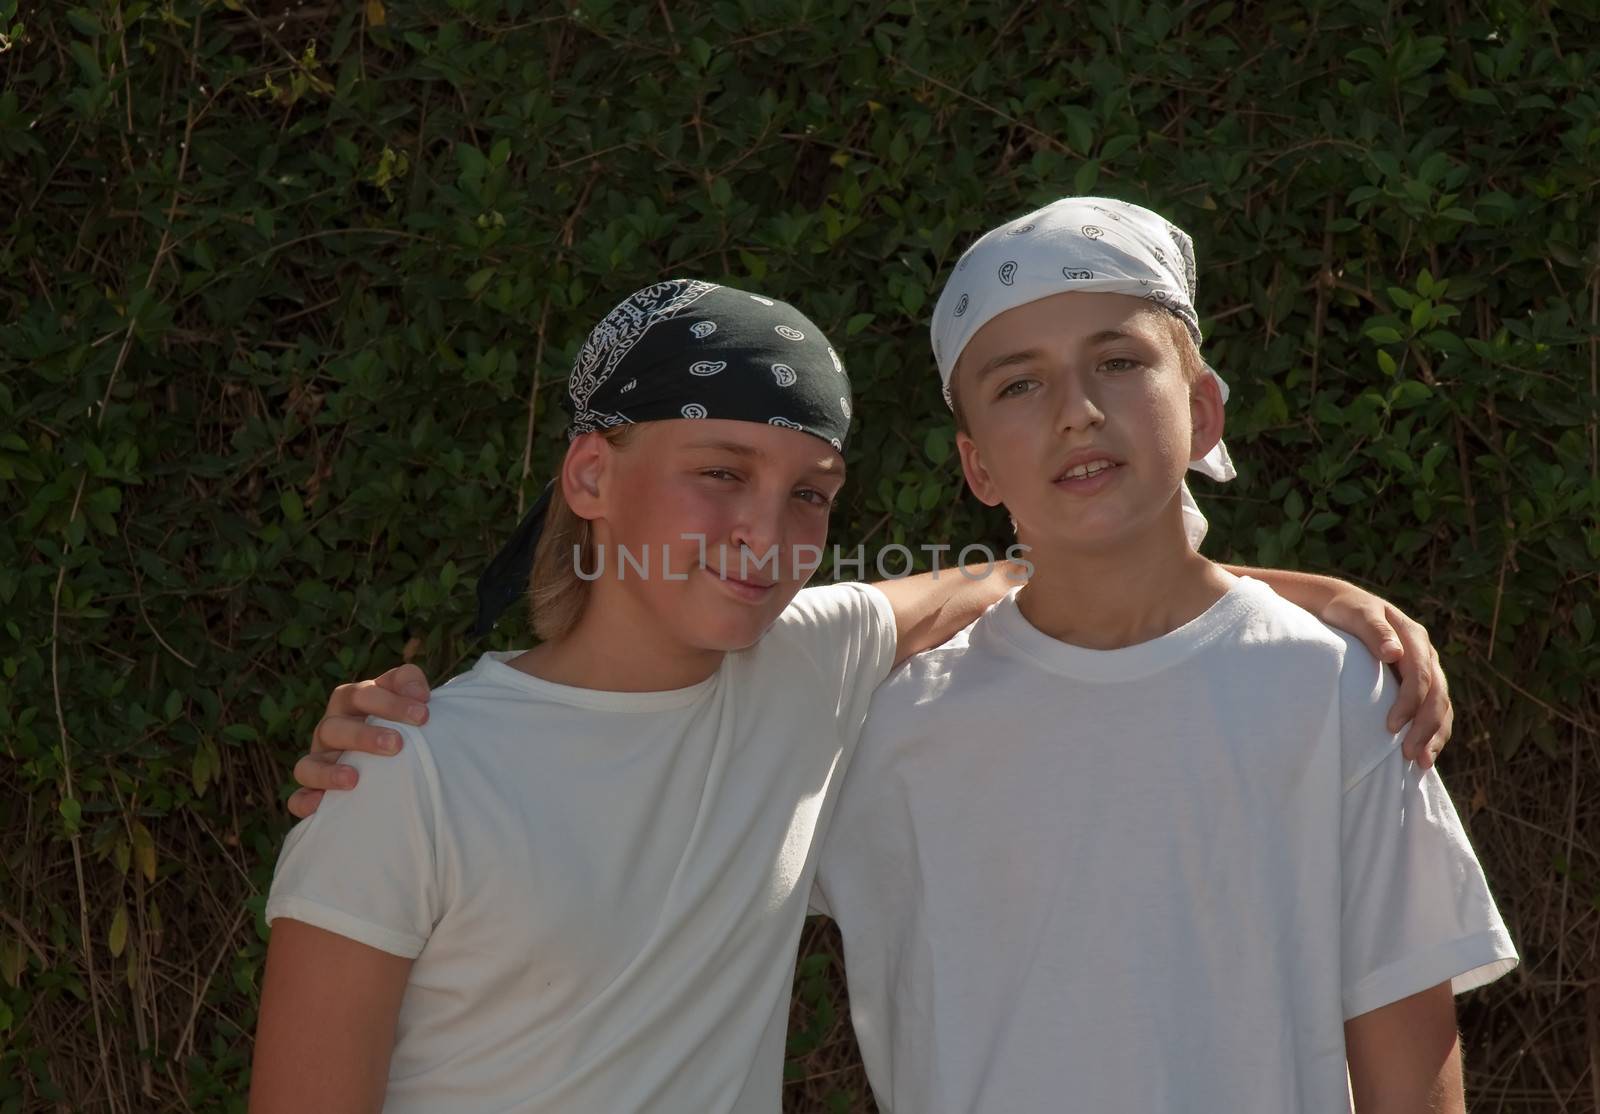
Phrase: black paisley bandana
pixel 684 349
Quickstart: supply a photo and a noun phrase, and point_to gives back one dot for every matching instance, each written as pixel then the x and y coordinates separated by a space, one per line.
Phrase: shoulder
pixel 847 604
pixel 1268 617
pixel 963 665
pixel 1367 690
pixel 827 623
pixel 468 713
pixel 1360 687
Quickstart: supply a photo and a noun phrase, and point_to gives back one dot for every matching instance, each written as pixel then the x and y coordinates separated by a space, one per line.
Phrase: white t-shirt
pixel 603 892
pixel 1150 879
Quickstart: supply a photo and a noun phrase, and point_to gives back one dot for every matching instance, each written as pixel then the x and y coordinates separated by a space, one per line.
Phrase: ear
pixel 583 475
pixel 1205 416
pixel 978 478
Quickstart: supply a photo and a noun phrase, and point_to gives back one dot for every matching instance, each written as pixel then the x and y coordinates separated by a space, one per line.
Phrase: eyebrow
pixel 1011 359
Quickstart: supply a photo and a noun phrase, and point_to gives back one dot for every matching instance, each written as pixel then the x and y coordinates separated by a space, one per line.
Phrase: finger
pixel 1441 690
pixel 1442 739
pixel 303 802
pixel 1378 635
pixel 1415 667
pixel 371 699
pixel 1414 685
pixel 406 680
pixel 315 771
pixel 1430 727
pixel 341 733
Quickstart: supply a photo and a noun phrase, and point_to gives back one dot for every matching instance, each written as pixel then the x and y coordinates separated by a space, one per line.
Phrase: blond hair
pixel 557 595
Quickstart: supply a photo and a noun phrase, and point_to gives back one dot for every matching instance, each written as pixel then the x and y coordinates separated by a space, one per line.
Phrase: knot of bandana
pixel 685 349
pixel 1094 245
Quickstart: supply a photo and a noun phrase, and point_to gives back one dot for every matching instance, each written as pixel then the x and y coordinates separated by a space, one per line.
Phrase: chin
pixel 722 625
pixel 727 637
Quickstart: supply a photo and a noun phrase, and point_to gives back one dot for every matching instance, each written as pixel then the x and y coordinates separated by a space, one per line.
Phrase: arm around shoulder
pixel 1405 1058
pixel 329 1007
pixel 930 608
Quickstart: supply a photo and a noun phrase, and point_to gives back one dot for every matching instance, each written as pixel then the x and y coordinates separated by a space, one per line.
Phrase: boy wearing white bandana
pixel 1139 838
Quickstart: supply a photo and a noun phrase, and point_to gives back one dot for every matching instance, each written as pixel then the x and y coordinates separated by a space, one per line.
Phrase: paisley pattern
pixel 610 341
pixel 755 354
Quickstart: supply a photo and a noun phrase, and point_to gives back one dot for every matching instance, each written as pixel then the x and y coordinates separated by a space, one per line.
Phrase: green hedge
pixel 288 292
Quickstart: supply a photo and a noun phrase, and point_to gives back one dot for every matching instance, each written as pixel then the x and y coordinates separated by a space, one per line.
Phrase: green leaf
pixel 1086 177
pixel 1408 393
pixel 117 937
pixel 144 850
pixel 85 21
pixel 1115 146
pixel 200 769
pixel 1080 129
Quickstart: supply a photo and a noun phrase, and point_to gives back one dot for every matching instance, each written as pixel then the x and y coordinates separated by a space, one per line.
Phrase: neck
pixel 618 647
pixel 1121 594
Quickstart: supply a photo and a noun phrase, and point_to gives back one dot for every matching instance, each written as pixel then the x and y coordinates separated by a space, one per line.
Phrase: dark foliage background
pixel 287 293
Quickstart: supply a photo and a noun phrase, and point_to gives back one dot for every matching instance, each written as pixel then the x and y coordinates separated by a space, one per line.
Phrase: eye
pixel 718 474
pixel 1017 387
pixel 814 497
pixel 1118 363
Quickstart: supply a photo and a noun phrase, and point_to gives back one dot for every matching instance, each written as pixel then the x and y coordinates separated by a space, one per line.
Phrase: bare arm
pixel 326 1031
pixel 1405 1058
pixel 931 607
pixel 1393 637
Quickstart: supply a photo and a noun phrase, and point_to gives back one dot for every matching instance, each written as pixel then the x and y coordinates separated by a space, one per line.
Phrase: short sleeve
pixel 848 632
pixel 364 865
pixel 1416 908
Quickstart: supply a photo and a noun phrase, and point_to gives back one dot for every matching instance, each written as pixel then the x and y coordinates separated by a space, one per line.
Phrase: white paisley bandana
pixel 1090 245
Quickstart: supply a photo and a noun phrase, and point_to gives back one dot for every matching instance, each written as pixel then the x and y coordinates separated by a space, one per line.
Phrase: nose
pixel 757 538
pixel 1078 408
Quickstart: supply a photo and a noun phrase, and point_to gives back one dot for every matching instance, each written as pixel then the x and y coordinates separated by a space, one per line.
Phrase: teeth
pixel 1093 468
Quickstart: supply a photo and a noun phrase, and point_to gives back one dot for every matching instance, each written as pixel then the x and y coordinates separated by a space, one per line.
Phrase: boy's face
pixel 1081 419
pixel 739 509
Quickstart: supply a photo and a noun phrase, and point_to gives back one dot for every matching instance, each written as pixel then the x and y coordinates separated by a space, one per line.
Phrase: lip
pixel 1086 485
pixel 746 591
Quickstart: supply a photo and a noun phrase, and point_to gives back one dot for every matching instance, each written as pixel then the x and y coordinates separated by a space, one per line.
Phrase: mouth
pixel 750 591
pixel 1084 470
